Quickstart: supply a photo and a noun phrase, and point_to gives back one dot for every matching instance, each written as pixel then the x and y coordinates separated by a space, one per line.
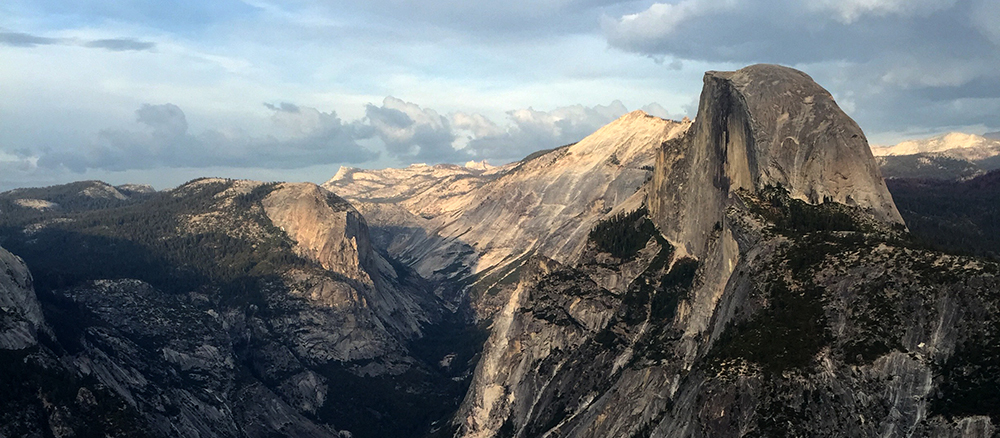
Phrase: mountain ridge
pixel 954 155
pixel 475 229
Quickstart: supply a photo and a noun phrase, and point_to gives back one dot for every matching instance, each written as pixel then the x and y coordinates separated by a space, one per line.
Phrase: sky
pixel 154 92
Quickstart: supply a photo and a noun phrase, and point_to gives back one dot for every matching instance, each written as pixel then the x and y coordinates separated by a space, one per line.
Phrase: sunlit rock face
pixel 759 126
pixel 327 229
pixel 955 144
pixel 474 227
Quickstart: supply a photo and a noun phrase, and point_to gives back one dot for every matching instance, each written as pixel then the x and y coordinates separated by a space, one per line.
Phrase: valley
pixel 745 273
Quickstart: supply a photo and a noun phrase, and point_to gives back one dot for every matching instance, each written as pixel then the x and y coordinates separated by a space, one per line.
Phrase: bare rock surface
pixel 768 125
pixel 20 313
pixel 475 228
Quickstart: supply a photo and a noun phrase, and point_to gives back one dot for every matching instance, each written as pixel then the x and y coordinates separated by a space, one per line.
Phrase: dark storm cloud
pixel 121 44
pixel 315 138
pixel 19 39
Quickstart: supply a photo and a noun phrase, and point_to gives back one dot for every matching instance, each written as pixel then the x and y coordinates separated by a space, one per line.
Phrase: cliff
pixel 770 290
pixel 20 313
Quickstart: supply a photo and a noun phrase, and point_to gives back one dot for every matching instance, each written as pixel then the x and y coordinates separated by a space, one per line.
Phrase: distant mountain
pixel 950 156
pixel 992 135
pixel 77 196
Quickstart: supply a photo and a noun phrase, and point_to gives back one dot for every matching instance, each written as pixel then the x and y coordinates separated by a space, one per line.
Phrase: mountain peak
pixel 767 125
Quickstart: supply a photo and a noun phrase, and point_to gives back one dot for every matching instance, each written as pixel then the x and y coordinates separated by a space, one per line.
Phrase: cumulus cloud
pixel 530 130
pixel 411 132
pixel 304 137
pixel 301 136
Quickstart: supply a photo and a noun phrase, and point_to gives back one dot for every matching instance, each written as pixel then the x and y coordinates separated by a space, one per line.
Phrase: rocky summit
pixel 747 273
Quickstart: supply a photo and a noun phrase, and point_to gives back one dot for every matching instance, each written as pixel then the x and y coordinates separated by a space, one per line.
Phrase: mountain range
pixel 748 273
pixel 950 156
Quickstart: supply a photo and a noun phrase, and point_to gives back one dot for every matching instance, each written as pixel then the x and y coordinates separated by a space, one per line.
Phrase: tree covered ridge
pixel 624 234
pixel 162 240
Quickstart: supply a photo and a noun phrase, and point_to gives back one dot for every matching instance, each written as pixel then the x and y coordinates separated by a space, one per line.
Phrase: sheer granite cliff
pixel 778 294
pixel 764 125
pixel 761 126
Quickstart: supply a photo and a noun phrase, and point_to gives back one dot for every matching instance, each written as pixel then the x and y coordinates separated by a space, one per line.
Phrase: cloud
pixel 411 132
pixel 531 130
pixel 306 137
pixel 25 40
pixel 658 110
pixel 849 11
pixel 17 39
pixel 300 136
pixel 884 57
pixel 792 32
pixel 121 44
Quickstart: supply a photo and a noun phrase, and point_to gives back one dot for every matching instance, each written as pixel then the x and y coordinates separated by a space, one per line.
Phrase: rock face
pixel 740 307
pixel 20 312
pixel 759 126
pixel 328 230
pixel 474 229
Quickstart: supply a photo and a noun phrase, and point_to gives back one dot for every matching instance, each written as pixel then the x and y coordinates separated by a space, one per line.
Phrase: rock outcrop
pixel 763 125
pixel 20 313
pixel 329 231
pixel 758 127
